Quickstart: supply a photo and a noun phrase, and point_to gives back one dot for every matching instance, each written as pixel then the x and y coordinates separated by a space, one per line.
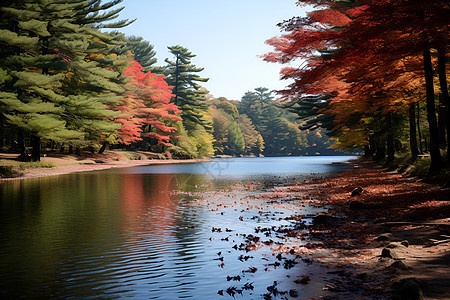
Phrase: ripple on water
pixel 91 236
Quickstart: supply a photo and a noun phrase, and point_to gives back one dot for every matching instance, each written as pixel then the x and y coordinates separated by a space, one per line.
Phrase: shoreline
pixel 384 235
pixel 70 164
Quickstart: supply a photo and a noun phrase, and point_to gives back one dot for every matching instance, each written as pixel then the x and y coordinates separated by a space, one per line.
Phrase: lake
pixel 151 232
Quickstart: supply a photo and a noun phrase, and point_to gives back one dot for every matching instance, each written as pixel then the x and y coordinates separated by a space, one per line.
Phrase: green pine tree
pixel 53 88
pixel 181 74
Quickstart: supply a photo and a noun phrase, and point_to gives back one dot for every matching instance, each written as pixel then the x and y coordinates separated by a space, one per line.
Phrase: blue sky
pixel 227 37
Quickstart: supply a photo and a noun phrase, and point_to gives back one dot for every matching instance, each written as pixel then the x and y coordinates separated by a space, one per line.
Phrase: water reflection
pixel 112 234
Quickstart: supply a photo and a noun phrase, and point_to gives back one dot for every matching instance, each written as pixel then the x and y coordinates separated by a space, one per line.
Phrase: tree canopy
pixel 356 68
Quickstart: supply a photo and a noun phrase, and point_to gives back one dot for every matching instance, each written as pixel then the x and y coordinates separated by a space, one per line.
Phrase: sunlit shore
pixel 65 164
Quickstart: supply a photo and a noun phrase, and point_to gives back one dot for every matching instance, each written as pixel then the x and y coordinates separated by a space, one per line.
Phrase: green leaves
pixel 35 26
pixel 28 79
pixel 13 39
pixel 188 95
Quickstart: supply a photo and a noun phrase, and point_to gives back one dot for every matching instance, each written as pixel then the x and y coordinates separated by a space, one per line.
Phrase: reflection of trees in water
pixel 58 228
pixel 162 226
pixel 151 208
pixel 148 205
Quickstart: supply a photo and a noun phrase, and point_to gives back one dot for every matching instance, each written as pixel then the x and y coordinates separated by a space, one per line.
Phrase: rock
pixel 389 253
pixel 358 191
pixel 384 237
pixel 405 243
pixel 393 245
pixel 399 265
pixel 409 289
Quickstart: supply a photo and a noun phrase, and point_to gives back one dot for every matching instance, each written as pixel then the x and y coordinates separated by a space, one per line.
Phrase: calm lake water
pixel 147 232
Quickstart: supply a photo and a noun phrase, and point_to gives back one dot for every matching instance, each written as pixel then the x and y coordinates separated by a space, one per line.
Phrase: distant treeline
pixel 257 125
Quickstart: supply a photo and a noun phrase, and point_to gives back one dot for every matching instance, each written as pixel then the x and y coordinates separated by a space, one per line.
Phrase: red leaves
pixel 303 280
pixel 330 17
pixel 148 103
pixel 369 61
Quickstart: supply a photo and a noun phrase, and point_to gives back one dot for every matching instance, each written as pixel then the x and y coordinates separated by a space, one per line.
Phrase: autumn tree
pixel 349 51
pixel 270 120
pixel 254 143
pixel 147 103
pixel 221 125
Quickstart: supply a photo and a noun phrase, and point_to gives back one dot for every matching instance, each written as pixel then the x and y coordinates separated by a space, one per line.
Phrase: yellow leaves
pixel 98 41
pixel 95 56
pixel 349 139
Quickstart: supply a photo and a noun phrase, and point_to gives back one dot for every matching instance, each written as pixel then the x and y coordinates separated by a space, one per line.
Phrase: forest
pixel 71 81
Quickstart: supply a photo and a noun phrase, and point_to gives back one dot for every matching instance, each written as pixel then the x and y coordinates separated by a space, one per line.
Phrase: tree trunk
pixel 380 148
pixel 442 122
pixel 2 135
pixel 103 148
pixel 435 154
pixel 412 132
pixel 36 152
pixel 22 148
pixel 389 138
pixel 70 149
pixel 419 131
pixel 62 148
pixel 444 90
pixel 369 150
pixel 177 74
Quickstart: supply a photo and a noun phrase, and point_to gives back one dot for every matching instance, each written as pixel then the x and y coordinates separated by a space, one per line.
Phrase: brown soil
pixel 350 239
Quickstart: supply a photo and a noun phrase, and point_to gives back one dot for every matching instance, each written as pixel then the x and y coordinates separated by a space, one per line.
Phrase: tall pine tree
pixel 181 74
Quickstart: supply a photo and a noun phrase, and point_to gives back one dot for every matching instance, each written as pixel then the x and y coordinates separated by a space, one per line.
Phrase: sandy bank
pixel 65 164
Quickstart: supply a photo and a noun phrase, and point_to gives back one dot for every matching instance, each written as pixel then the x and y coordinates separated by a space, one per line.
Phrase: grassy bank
pixel 14 168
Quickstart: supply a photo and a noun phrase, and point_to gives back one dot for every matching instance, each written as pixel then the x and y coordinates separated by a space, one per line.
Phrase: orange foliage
pixel 147 103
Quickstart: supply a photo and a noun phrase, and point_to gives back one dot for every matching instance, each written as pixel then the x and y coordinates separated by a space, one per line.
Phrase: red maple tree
pixel 147 103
